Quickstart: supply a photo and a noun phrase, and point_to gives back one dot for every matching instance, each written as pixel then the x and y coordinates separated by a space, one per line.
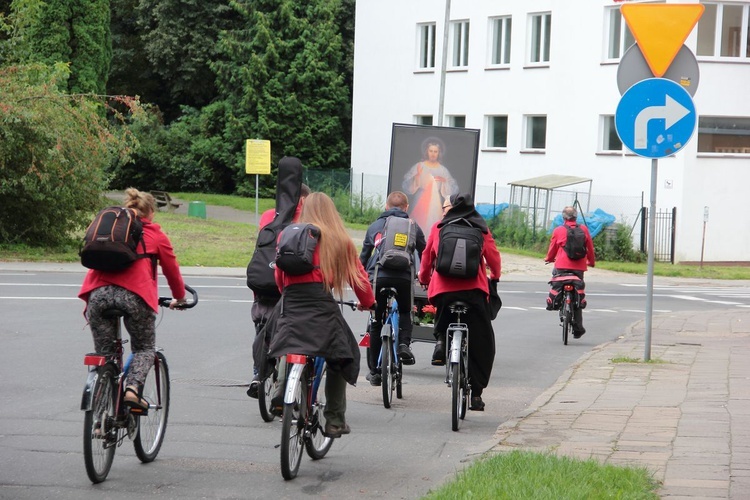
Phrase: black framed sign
pixel 430 164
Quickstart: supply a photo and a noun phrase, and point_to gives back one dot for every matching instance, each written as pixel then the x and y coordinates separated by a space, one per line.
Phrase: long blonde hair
pixel 339 262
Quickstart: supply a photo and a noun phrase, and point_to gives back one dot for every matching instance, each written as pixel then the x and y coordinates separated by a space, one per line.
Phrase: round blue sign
pixel 655 118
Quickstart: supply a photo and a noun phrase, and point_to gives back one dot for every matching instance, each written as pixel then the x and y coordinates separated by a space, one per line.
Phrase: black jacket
pixel 368 256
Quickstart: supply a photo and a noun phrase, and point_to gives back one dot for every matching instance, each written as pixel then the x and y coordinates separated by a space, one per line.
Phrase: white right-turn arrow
pixel 671 113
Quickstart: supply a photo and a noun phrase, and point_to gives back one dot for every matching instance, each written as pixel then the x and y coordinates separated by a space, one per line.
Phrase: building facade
pixel 538 78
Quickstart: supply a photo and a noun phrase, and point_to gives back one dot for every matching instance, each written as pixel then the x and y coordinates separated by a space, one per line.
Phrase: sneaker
pixel 277 405
pixel 550 306
pixel 254 387
pixel 335 431
pixel 375 379
pixel 577 334
pixel 476 403
pixel 405 354
pixel 438 355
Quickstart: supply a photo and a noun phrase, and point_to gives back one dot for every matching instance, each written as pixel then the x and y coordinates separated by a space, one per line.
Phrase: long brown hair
pixel 339 262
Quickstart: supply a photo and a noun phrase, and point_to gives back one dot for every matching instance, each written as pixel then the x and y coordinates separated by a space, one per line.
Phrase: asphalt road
pixel 216 444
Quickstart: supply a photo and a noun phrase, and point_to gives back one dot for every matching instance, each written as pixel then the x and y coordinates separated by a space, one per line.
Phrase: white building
pixel 539 79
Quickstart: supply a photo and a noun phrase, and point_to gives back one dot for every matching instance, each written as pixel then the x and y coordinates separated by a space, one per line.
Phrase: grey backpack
pixel 397 244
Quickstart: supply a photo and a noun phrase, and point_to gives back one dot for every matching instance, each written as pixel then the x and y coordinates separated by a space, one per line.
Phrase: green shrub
pixel 615 244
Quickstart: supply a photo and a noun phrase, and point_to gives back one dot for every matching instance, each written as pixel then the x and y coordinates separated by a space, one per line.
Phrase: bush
pixel 53 151
pixel 353 213
pixel 511 228
pixel 616 244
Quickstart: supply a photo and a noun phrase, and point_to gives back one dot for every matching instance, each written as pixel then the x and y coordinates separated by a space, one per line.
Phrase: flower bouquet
pixel 428 314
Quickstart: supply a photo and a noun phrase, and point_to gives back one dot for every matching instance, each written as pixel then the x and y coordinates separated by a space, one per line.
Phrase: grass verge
pixel 540 476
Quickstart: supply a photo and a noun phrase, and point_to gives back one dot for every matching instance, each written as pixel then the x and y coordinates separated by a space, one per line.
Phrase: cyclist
pixel 443 290
pixel 564 264
pixel 262 305
pixel 307 320
pixel 402 281
pixel 134 290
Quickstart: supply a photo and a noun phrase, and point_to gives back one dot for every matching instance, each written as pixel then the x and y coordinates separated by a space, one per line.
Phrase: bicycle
pixel 107 420
pixel 569 284
pixel 269 385
pixel 389 364
pixel 457 368
pixel 303 419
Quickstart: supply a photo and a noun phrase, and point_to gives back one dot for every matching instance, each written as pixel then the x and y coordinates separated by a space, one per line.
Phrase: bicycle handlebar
pixel 350 303
pixel 165 301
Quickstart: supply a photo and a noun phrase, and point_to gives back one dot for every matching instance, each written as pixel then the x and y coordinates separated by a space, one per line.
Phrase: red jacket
pixel 267 216
pixel 440 284
pixel 365 297
pixel 139 278
pixel 556 252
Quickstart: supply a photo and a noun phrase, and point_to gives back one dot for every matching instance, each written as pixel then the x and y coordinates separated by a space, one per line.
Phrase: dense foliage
pixel 53 150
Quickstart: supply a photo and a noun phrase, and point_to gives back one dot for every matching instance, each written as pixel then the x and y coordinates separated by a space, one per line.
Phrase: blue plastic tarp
pixel 596 221
pixel 490 211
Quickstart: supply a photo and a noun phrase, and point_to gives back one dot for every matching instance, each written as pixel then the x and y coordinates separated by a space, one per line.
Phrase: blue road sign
pixel 655 118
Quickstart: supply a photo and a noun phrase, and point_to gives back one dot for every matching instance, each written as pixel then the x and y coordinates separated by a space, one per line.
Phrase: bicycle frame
pixel 391 319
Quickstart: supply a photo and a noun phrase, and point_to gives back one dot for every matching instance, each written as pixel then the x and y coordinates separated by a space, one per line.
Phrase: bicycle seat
pixel 113 312
pixel 458 307
pixel 388 292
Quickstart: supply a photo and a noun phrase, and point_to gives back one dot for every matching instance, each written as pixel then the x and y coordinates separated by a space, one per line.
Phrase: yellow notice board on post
pixel 257 156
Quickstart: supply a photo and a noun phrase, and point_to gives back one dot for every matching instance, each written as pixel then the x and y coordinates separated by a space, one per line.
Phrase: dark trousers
pixel 481 333
pixel 403 289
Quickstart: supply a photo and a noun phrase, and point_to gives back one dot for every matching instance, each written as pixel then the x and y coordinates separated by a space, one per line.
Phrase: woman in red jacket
pixel 134 290
pixel 443 290
pixel 307 319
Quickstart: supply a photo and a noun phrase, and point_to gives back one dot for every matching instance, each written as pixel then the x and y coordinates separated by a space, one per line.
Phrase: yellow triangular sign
pixel 660 30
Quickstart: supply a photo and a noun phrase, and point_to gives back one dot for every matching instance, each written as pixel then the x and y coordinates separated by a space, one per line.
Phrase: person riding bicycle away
pixel 262 304
pixel 564 264
pixel 402 280
pixel 308 320
pixel 135 291
pixel 444 290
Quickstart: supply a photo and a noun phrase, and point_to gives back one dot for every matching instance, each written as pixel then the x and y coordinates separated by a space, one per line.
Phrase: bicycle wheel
pixel 456 393
pixel 567 315
pixel 153 426
pixel 99 433
pixel 266 392
pixel 387 367
pixel 317 444
pixel 292 431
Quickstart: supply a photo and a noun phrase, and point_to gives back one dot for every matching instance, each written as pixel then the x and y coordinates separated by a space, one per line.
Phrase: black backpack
pixel 575 244
pixel 397 244
pixel 460 249
pixel 111 240
pixel 296 248
pixel 260 270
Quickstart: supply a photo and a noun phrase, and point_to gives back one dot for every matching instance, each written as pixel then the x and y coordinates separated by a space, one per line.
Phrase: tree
pixel 75 32
pixel 281 76
pixel 53 150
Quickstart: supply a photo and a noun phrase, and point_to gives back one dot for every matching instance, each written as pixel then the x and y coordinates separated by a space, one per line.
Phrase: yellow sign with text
pixel 660 30
pixel 257 156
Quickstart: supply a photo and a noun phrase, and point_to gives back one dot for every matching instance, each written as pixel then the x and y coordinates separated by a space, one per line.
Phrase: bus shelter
pixel 541 198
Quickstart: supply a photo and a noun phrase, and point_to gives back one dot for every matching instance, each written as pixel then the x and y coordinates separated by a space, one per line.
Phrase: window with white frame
pixel 539 33
pixel 535 132
pixel 497 131
pixel 724 31
pixel 458 121
pixel 423 119
pixel 426 33
pixel 619 37
pixel 724 134
pixel 610 141
pixel 460 44
pixel 500 28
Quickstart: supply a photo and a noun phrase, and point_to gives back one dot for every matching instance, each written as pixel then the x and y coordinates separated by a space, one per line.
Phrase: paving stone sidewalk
pixel 685 415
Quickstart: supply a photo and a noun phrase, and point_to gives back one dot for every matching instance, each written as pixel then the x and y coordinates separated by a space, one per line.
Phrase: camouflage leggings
pixel 140 321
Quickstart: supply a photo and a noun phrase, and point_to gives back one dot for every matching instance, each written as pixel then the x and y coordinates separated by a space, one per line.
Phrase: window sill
pixel 707 154
pixel 533 151
pixel 535 66
pixel 497 68
pixel 461 69
pixel 494 150
pixel 608 153
pixel 424 70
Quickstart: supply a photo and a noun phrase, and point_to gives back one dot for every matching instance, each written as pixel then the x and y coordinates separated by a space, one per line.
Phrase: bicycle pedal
pixel 139 412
